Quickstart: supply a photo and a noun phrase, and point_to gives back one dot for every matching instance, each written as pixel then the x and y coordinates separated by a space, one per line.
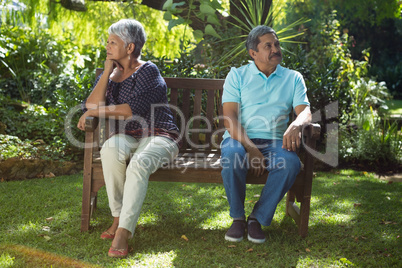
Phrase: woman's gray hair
pixel 130 31
pixel 253 38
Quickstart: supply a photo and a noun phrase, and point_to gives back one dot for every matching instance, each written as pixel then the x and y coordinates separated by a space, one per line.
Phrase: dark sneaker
pixel 236 231
pixel 255 233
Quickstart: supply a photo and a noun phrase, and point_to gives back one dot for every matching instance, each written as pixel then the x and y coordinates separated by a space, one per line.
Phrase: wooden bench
pixel 198 117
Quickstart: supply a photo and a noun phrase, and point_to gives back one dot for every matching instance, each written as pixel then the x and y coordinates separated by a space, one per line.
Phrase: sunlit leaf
pixel 198 35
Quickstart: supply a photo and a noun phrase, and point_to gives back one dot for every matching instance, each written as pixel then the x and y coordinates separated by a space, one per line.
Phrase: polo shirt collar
pixel 254 70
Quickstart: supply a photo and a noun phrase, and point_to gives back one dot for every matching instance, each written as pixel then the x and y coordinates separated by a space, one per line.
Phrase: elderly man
pixel 257 100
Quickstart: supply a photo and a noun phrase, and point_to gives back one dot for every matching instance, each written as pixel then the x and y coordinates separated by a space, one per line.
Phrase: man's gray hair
pixel 253 38
pixel 130 31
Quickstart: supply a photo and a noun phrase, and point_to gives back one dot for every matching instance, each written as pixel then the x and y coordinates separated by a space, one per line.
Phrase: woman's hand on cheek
pixel 109 66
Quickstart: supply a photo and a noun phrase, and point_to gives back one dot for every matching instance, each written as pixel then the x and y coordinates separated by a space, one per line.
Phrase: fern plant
pixel 253 12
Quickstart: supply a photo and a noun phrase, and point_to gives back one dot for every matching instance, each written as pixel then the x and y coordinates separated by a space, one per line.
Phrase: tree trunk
pixel 155 4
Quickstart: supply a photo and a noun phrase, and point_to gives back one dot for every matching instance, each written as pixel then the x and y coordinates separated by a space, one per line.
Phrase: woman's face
pixel 115 49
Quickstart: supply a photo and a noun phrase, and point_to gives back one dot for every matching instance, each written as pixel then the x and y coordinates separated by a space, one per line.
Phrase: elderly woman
pixel 133 90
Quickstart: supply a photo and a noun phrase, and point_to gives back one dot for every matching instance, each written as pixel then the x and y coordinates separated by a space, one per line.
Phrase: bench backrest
pixel 196 106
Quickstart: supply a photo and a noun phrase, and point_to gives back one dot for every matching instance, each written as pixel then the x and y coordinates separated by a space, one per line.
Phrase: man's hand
pixel 291 138
pixel 256 160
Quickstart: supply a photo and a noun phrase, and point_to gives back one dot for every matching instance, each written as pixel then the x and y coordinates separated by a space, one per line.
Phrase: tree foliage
pixel 90 27
pixel 371 12
pixel 374 26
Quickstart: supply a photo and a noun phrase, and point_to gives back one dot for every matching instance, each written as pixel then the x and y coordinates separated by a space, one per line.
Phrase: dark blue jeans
pixel 283 166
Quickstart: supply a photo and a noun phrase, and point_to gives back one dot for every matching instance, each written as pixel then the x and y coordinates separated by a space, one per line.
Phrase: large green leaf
pixel 211 31
pixel 213 19
pixel 198 35
pixel 173 23
pixel 207 9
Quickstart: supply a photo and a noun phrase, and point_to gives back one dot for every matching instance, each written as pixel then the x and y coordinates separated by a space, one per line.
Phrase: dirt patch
pixel 19 169
pixel 37 258
pixel 390 178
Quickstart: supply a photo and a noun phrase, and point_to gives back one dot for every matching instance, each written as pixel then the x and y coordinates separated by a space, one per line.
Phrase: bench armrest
pixel 311 131
pixel 91 123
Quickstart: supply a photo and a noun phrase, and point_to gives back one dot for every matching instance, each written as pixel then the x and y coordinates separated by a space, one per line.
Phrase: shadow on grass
pixel 354 219
pixel 358 217
pixel 184 225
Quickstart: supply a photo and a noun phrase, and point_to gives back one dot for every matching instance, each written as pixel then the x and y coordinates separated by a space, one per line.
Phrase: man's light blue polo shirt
pixel 265 102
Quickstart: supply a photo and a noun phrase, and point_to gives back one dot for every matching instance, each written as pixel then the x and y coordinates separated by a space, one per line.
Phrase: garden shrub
pixel 28 61
pixel 391 71
pixel 374 25
pixel 34 125
pixel 12 146
pixel 33 66
pixel 332 75
pixel 335 74
pixel 44 79
pixel 374 145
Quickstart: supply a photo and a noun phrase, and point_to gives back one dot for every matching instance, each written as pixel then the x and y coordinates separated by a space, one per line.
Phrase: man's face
pixel 269 52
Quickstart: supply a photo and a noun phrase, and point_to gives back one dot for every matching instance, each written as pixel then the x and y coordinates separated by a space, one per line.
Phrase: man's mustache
pixel 276 54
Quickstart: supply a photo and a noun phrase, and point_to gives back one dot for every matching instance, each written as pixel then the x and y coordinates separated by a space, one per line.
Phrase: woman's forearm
pixel 120 111
pixel 98 95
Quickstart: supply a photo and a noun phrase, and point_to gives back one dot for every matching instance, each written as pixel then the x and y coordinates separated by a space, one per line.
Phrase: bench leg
pixel 290 199
pixel 86 203
pixel 85 215
pixel 300 215
pixel 304 216
pixel 87 211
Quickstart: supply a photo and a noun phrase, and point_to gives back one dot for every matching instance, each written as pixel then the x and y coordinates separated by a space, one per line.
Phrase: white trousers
pixel 126 185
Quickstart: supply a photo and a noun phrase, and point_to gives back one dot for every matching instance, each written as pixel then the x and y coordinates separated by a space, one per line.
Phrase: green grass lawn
pixel 355 220
pixel 395 106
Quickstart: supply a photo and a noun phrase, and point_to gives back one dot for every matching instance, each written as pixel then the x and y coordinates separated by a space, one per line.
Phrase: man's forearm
pixel 303 118
pixel 238 133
